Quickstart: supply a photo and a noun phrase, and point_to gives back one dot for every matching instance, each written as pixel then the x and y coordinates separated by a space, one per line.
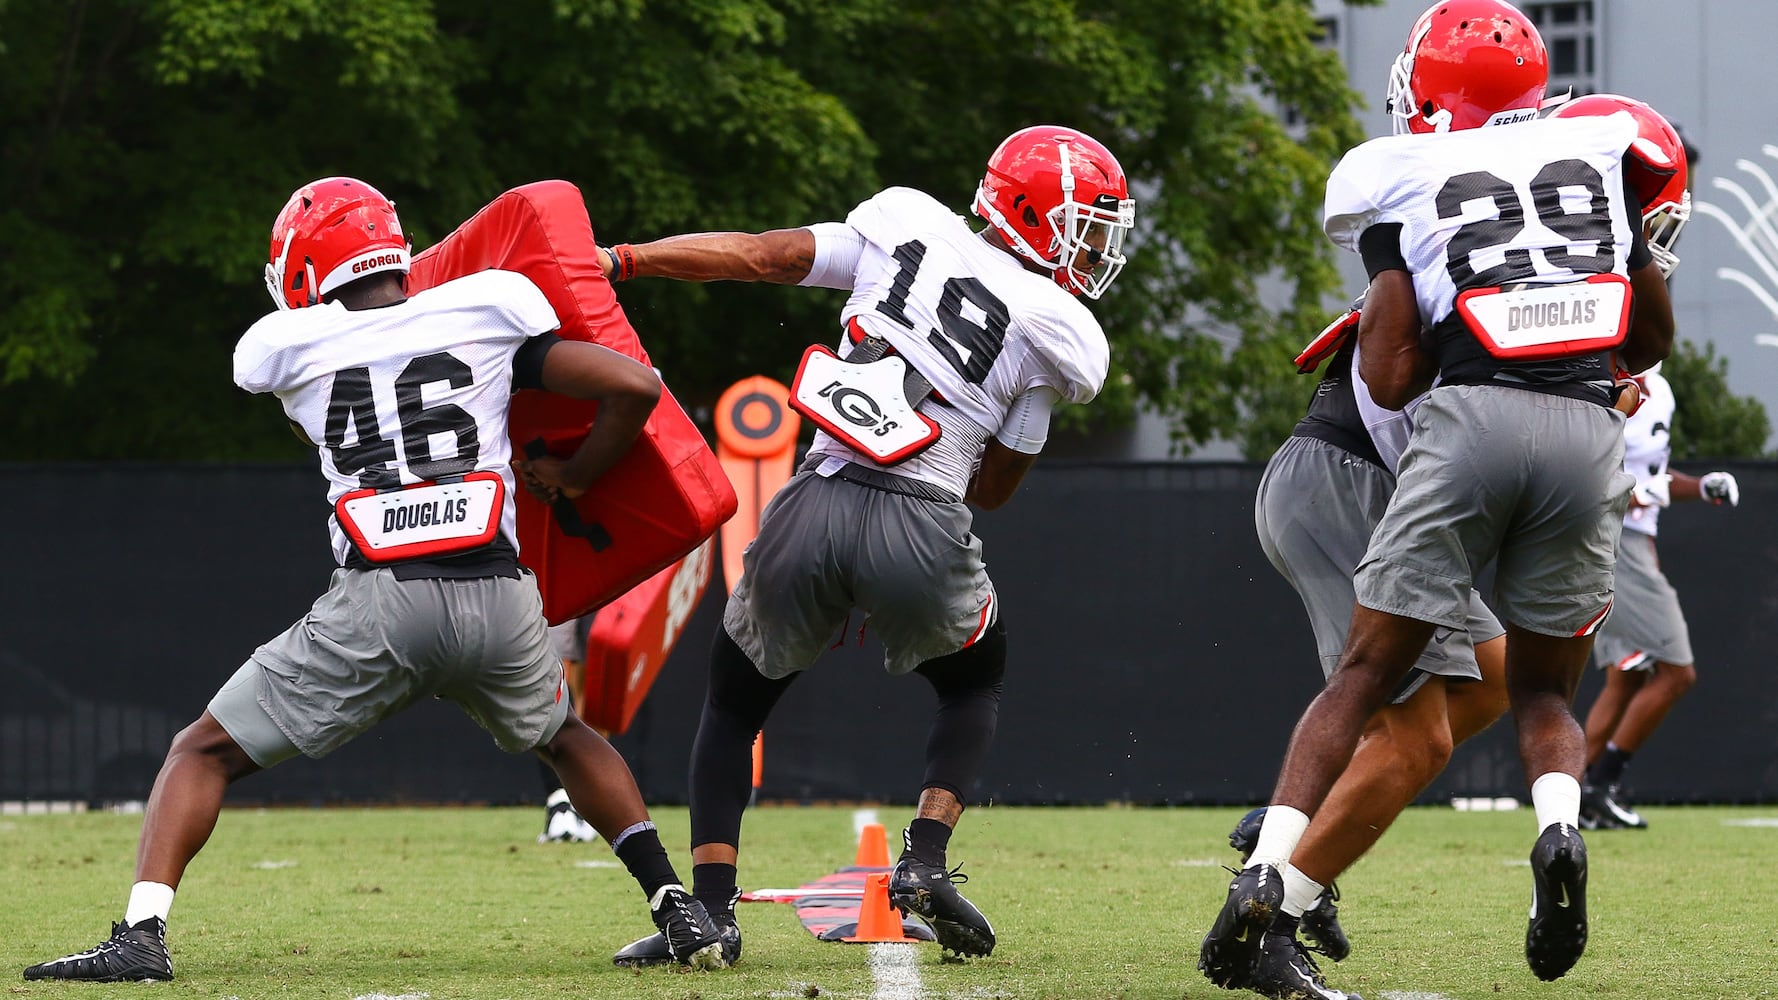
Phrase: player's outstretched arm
pixel 781 256
pixel 1716 487
pixel 626 391
pixel 1651 321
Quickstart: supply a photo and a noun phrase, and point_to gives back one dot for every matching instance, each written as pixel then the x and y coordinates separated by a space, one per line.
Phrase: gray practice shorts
pixel 1534 479
pixel 1646 624
pixel 1317 506
pixel 829 545
pixel 373 645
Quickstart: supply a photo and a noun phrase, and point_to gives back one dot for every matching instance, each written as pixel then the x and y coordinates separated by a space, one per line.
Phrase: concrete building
pixel 1695 61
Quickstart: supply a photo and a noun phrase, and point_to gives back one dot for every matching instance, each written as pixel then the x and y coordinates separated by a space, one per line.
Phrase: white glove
pixel 1718 487
pixel 1655 491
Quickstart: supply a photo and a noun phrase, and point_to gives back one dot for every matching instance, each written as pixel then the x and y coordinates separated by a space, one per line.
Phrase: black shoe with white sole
pixel 1321 923
pixel 1286 972
pixel 929 892
pixel 1231 950
pixel 691 935
pixel 1557 933
pixel 653 950
pixel 133 953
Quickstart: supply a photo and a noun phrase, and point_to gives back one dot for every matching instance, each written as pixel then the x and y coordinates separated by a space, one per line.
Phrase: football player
pixel 1644 648
pixel 1514 242
pixel 956 345
pixel 405 400
pixel 1320 499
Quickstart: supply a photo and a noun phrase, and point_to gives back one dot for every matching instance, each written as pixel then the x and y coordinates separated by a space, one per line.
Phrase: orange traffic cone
pixel 878 922
pixel 873 847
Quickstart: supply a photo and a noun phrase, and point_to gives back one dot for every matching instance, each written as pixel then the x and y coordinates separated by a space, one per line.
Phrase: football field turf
pixel 1088 903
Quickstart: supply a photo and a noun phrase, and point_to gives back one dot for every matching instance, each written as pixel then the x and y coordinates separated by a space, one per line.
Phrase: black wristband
pixel 617 271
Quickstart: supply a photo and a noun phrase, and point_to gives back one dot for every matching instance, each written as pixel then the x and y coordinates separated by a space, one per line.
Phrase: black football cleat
pixel 687 928
pixel 133 953
pixel 1595 809
pixel 1602 808
pixel 1230 951
pixel 930 892
pixel 1286 972
pixel 1557 933
pixel 653 950
pixel 1321 923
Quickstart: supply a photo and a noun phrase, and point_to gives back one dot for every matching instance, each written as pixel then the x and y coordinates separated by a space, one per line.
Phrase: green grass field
pixel 1088 903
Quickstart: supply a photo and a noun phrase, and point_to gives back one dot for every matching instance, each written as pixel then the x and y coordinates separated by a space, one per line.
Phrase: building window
pixel 1571 35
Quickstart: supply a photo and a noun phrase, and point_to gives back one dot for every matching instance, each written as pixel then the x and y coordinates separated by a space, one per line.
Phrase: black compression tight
pixel 738 699
pixel 736 703
pixel 968 683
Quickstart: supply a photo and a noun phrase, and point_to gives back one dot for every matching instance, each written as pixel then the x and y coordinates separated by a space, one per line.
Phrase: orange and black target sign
pixel 754 419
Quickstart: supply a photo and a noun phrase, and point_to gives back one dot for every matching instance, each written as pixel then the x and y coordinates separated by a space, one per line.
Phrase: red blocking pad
pixel 668 493
pixel 828 907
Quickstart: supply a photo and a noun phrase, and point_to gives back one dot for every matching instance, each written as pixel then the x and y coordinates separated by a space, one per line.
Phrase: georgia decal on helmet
pixel 1062 202
pixel 332 231
pixel 1657 168
pixel 1468 63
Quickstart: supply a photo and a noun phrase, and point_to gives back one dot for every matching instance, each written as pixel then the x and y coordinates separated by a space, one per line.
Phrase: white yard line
pixel 398 996
pixel 1755 821
pixel 1412 995
pixel 895 972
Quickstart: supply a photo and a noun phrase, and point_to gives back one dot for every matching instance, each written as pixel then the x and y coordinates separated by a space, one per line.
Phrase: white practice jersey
pixel 1488 206
pixel 968 317
pixel 1648 445
pixel 405 393
pixel 1389 429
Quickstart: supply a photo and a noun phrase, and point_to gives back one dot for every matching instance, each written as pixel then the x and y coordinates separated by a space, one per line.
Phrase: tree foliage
pixel 1709 421
pixel 145 146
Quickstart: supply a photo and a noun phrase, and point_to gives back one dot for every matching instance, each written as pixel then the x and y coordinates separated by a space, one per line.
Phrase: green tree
pixel 146 144
pixel 1709 421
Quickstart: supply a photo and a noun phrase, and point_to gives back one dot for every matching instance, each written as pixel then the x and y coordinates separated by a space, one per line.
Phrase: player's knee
pixel 1678 679
pixel 207 743
pixel 976 669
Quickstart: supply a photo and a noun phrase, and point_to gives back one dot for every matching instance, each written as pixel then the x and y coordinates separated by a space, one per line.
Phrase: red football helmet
pixel 1468 63
pixel 332 231
pixel 1061 200
pixel 1657 166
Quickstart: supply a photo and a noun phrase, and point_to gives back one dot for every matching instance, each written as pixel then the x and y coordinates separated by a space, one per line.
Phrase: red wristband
pixel 625 257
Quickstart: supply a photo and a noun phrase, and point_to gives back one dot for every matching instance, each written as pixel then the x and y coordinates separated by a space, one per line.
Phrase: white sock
pixel 1279 835
pixel 148 899
pixel 1556 797
pixel 1301 892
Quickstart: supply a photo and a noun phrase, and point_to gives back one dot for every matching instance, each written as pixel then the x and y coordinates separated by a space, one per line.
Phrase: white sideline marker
pixel 894 973
pixel 397 996
pixel 862 818
pixel 1412 995
pixel 1761 821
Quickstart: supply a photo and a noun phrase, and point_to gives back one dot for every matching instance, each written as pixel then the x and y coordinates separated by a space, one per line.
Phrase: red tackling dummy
pixel 632 637
pixel 668 493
